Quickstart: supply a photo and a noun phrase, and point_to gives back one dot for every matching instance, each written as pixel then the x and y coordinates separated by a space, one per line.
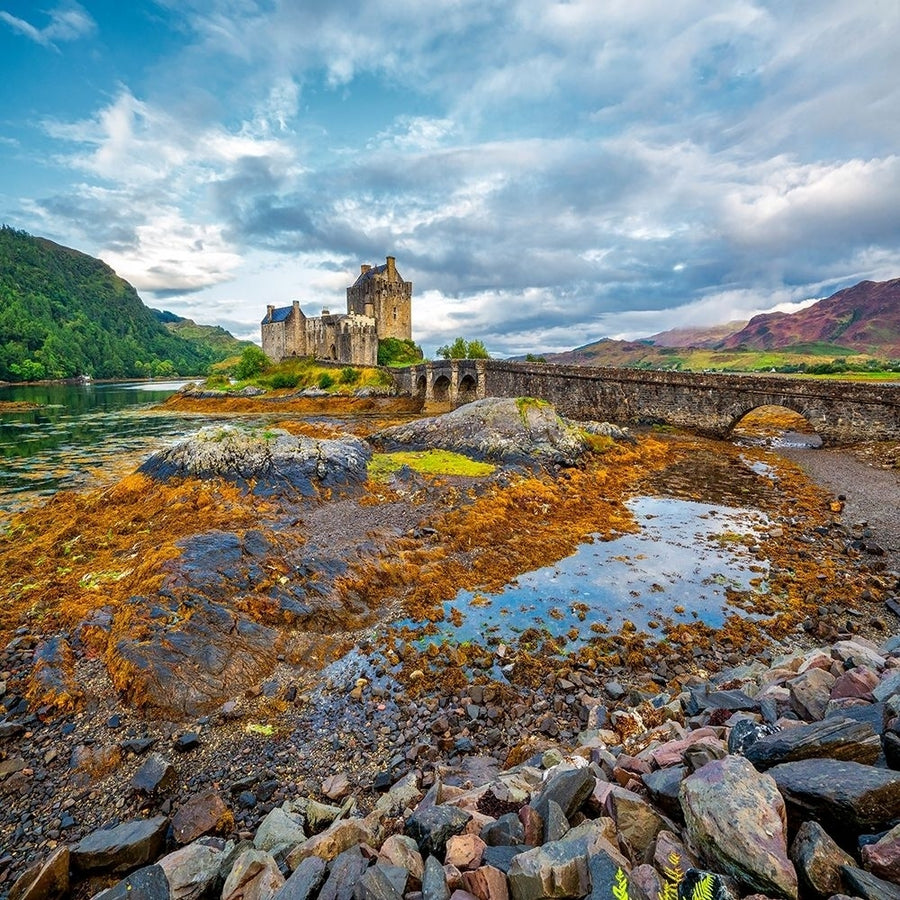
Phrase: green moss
pixel 427 462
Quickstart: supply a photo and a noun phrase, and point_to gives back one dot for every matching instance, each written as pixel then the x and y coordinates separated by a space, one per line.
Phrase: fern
pixel 674 875
pixel 703 890
pixel 620 888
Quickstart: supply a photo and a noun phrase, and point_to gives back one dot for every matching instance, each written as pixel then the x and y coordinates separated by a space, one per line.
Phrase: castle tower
pixel 380 293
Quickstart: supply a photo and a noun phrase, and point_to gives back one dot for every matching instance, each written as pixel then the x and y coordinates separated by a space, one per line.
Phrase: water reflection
pixel 679 567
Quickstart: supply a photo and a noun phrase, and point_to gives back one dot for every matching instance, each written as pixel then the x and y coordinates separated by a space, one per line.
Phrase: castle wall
pixel 351 339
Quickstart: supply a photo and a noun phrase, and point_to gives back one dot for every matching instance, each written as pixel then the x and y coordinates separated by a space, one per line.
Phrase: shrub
pixel 349 375
pixel 325 381
pixel 284 380
pixel 253 361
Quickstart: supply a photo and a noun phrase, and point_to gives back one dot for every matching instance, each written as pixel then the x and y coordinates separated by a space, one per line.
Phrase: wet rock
pixel 810 693
pixel 431 828
pixel 843 796
pixel 868 886
pixel 205 813
pixel 270 462
pixel 124 847
pixel 818 860
pixel 304 881
pixel 52 680
pixel 45 880
pixel 735 818
pixel 156 774
pixel 281 830
pixel 883 857
pixel 148 883
pixel 254 876
pixel 555 870
pixel 836 738
pixel 192 871
pixel 747 732
pixel 496 429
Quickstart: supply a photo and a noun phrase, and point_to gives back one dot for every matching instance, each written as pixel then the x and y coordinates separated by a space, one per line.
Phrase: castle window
pixel 395 313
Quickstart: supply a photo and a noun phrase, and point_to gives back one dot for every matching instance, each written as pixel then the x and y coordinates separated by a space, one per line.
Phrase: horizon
pixel 546 174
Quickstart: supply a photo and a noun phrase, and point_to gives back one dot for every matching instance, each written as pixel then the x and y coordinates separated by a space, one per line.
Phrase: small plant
pixel 326 381
pixel 284 380
pixel 349 375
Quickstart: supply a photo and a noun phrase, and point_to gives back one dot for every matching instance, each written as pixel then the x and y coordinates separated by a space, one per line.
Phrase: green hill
pixel 223 342
pixel 63 313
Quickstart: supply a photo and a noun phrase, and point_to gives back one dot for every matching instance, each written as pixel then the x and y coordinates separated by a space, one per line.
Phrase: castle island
pixel 379 306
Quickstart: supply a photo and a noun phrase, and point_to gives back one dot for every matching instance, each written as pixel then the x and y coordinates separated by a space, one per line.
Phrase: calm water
pixel 81 434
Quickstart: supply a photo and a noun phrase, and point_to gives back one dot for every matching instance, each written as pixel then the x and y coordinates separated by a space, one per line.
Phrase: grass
pixel 427 462
pixel 298 373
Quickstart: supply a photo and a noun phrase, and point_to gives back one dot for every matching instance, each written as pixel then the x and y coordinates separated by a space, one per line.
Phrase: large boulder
pixel 837 738
pixel 127 846
pixel 497 429
pixel 269 462
pixel 735 819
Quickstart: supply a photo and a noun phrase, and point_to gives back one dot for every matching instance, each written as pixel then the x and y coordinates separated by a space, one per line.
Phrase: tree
pixel 253 361
pixel 463 349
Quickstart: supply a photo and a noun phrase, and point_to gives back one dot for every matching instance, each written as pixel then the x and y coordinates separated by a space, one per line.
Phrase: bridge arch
pixel 745 409
pixel 440 390
pixel 468 388
pixel 784 424
pixel 421 387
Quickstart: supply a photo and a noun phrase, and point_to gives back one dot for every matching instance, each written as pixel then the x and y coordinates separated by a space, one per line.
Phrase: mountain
pixel 697 336
pixel 864 318
pixel 223 342
pixel 63 313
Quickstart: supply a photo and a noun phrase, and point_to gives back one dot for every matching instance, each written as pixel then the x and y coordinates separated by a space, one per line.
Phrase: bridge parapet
pixel 840 411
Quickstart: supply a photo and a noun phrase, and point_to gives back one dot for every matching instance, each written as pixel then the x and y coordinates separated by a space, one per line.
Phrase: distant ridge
pixel 64 313
pixel 698 336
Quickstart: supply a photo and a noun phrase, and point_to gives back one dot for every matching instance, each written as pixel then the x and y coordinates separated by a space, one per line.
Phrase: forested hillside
pixel 63 313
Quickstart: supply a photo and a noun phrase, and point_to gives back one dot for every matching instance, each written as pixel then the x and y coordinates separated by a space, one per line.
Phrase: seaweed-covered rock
pixel 497 429
pixel 268 462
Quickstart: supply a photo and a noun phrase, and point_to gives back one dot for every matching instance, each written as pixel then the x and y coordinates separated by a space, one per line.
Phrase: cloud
pixel 68 22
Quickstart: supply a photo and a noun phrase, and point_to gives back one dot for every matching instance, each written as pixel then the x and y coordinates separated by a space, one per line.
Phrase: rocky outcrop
pixel 499 430
pixel 267 462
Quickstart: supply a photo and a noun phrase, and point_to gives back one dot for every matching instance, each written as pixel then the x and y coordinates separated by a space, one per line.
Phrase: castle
pixel 379 305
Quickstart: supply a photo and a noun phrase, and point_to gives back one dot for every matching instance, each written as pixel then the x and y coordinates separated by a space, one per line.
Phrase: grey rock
pixel 733 700
pixel 664 786
pixel 818 860
pixel 637 821
pixel 254 876
pixel 568 789
pixel 124 847
pixel 554 870
pixel 507 831
pixel 502 857
pixel 304 881
pixel 148 883
pixel 868 886
pixel 746 732
pixel 606 874
pixel 810 693
pixel 833 738
pixel 873 714
pixel 735 817
pixel 192 871
pixel 376 885
pixel 431 828
pixel 888 686
pixel 843 796
pixel 45 880
pixel 555 824
pixel 343 873
pixel 279 831
pixel 434 881
pixel 155 774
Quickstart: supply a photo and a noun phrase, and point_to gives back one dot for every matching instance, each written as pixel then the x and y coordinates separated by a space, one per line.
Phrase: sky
pixel 545 173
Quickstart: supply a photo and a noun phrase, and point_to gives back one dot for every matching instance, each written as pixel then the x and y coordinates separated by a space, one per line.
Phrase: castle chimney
pixel 364 268
pixel 270 312
pixel 391 271
pixel 326 312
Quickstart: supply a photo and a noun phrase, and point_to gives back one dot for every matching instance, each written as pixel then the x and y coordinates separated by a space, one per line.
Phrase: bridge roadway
pixel 840 411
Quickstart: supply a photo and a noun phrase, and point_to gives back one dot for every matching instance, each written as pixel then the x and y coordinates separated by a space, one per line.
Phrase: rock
pixel 857 683
pixel 883 857
pixel 508 430
pixel 608 876
pixel 810 693
pixel 192 871
pixel 269 462
pixel 569 789
pixel 464 851
pixel 344 872
pixel 254 876
pixel 735 817
pixel 205 813
pixel 400 850
pixel 834 738
pixel 148 883
pixel 733 700
pixel 556 824
pixel 304 881
pixel 555 870
pixel 818 860
pixel 431 828
pixel 45 880
pixel 156 774
pixel 856 653
pixel 376 884
pixel 186 742
pixel 637 821
pixel 746 732
pixel 888 686
pixel 696 883
pixel 507 831
pixel 321 815
pixel 279 831
pixel 868 886
pixel 664 786
pixel 332 842
pixel 843 796
pixel 336 787
pixel 52 681
pixel 124 847
pixel 487 883
pixel 434 881
pixel 891 743
pixel 645 881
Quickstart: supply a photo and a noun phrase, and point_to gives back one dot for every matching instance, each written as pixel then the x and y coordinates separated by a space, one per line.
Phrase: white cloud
pixel 68 22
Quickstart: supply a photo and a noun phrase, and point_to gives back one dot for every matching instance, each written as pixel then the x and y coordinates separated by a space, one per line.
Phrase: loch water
pixel 81 434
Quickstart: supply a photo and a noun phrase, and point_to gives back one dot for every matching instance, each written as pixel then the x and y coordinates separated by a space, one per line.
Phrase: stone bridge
pixel 840 411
